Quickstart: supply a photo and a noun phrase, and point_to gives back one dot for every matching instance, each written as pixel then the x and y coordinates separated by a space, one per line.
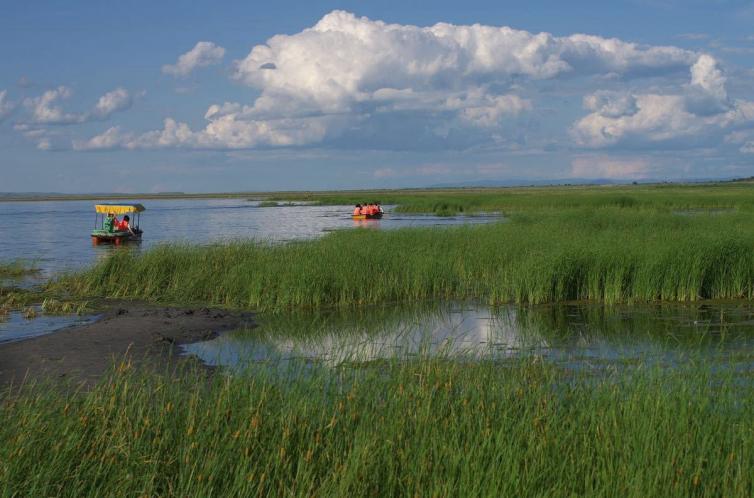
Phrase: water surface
pixel 590 336
pixel 15 327
pixel 55 234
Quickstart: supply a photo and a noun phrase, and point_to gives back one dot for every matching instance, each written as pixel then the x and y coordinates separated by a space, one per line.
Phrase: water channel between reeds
pixel 579 336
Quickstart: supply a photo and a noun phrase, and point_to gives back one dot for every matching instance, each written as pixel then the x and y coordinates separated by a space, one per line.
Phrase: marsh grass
pixel 33 302
pixel 17 269
pixel 15 298
pixel 422 428
pixel 609 255
pixel 736 195
pixel 52 306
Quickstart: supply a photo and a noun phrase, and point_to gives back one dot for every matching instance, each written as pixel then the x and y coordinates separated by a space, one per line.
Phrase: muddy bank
pixel 84 353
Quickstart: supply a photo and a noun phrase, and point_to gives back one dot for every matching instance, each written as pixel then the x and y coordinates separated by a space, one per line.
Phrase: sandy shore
pixel 84 353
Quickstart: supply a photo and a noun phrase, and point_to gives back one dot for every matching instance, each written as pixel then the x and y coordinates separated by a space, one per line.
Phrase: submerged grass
pixel 16 269
pixel 424 428
pixel 609 254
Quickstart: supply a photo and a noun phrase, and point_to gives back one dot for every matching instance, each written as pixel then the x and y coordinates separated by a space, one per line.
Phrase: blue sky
pixel 227 96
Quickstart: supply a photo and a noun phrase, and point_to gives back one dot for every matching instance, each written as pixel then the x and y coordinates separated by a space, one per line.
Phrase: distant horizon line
pixel 573 182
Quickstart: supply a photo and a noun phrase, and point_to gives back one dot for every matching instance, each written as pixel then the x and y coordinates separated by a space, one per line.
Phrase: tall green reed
pixel 427 427
pixel 608 255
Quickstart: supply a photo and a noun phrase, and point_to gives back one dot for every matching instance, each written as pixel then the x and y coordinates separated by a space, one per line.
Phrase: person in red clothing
pixel 124 225
pixel 357 210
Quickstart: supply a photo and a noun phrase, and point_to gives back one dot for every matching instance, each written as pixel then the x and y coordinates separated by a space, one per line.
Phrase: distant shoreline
pixel 123 197
pixel 288 194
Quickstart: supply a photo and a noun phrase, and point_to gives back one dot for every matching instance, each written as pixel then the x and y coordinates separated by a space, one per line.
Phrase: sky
pixel 140 96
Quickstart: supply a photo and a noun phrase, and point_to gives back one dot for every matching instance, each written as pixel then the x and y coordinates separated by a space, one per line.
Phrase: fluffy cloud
pixel 344 58
pixel 6 106
pixel 202 55
pixel 46 109
pixel 350 81
pixel 702 107
pixel 44 138
pixel 111 102
pixel 225 132
pixel 109 140
pixel 743 139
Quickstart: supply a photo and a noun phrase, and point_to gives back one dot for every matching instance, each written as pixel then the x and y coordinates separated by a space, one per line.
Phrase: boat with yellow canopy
pixel 106 226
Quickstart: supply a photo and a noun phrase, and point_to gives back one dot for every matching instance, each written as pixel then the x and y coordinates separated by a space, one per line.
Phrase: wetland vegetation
pixel 608 254
pixel 436 426
pixel 724 195
pixel 16 269
pixel 423 428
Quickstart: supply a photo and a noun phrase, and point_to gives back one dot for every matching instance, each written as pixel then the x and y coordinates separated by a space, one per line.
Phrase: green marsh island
pixel 580 341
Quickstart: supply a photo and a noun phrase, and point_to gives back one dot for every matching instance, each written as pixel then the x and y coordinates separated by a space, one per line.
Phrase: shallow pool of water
pixel 577 335
pixel 55 234
pixel 15 327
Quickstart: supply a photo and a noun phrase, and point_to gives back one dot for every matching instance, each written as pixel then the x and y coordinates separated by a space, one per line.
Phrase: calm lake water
pixel 55 235
pixel 581 336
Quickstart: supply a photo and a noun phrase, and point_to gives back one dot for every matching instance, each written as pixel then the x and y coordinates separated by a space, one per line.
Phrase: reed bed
pixel 736 195
pixel 424 428
pixel 609 255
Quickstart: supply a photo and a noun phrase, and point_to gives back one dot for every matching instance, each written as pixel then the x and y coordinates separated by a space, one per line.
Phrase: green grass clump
pixel 16 269
pixel 607 255
pixel 426 428
pixel 14 298
pixel 52 306
pixel 265 204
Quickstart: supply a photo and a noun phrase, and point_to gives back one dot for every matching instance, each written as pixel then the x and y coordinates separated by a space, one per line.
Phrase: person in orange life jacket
pixel 357 210
pixel 124 225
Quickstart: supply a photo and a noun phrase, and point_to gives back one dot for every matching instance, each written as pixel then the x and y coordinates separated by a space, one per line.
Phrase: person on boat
pixel 379 208
pixel 357 210
pixel 372 210
pixel 124 225
pixel 109 224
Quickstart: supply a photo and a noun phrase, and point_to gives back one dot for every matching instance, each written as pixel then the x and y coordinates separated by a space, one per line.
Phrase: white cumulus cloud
pixel 6 106
pixel 202 55
pixel 111 102
pixel 345 58
pixel 46 109
pixel 744 139
pixel 109 140
pixel 355 82
pixel 701 107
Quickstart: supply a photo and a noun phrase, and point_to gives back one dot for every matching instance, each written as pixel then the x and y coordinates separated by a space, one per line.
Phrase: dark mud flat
pixel 144 334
